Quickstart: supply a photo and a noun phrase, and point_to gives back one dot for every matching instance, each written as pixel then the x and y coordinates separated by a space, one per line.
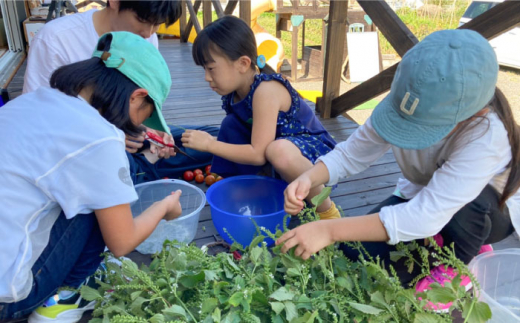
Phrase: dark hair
pixel 111 90
pixel 155 12
pixel 229 36
pixel 502 108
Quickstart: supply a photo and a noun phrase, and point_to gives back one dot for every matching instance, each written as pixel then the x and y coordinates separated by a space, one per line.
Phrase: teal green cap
pixel 445 79
pixel 141 62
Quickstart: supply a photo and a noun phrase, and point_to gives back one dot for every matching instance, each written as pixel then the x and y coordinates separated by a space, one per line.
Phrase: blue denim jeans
pixel 72 255
pixel 143 171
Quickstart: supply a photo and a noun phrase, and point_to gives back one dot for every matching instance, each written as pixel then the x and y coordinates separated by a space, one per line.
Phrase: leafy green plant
pixel 185 284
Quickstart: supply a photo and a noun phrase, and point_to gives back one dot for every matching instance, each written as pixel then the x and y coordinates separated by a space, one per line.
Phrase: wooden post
pixel 245 11
pixel 336 37
pixel 206 13
pixel 182 22
pixel 294 54
pixel 303 38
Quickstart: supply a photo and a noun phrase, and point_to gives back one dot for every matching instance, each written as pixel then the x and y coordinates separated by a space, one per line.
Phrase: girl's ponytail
pixel 503 110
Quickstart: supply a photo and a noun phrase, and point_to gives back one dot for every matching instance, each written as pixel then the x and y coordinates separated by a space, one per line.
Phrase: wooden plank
pixel 336 39
pixel 390 25
pixel 192 21
pixel 245 11
pixel 230 7
pixel 218 8
pixel 206 13
pixel 492 23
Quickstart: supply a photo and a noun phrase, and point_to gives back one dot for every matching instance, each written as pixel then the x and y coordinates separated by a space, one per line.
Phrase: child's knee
pixel 278 153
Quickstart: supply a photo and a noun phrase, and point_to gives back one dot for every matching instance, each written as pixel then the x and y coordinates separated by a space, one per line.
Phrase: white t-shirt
pixel 62 41
pixel 439 180
pixel 58 153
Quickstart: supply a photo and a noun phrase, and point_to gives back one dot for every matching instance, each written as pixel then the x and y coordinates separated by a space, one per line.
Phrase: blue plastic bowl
pixel 236 201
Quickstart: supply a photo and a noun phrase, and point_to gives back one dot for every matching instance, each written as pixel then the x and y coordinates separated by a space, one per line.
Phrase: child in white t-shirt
pixel 72 38
pixel 66 188
pixel 457 144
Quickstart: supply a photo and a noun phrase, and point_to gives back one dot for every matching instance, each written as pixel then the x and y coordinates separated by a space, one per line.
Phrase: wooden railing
pixel 207 8
pixel 490 24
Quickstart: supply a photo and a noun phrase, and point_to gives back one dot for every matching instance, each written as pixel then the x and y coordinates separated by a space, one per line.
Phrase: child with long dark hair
pixel 66 186
pixel 454 137
pixel 266 120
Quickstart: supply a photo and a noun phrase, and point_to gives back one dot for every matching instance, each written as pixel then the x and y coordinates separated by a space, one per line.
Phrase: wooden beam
pixel 490 24
pixel 206 13
pixel 496 20
pixel 245 11
pixel 218 8
pixel 336 32
pixel 390 25
pixel 193 21
pixel 230 7
pixel 182 22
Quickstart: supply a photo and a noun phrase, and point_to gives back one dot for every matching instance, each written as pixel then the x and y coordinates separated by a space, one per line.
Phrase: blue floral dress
pixel 299 125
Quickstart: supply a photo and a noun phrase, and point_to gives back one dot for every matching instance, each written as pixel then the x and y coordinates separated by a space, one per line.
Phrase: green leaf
pixel 304 303
pixel 89 293
pixel 130 268
pixel 396 255
pixel 367 309
pixel 378 299
pixel 440 295
pixel 175 311
pixel 136 306
pixel 345 283
pixel 191 281
pixel 208 305
pixel 278 319
pixel 479 313
pixel 427 318
pixel 282 294
pixel 318 199
pixel 306 318
pixel 157 318
pixel 293 272
pixel 277 307
pixel 256 241
pixel 256 252
pixel 290 311
pixel 135 295
pixel 216 315
pixel 260 298
pixel 236 298
pixel 232 263
pixel 210 275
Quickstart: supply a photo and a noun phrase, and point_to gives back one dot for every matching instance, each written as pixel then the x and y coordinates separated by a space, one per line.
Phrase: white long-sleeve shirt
pixel 439 180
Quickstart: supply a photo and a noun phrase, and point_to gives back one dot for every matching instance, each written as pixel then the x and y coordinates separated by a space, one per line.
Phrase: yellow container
pixel 175 30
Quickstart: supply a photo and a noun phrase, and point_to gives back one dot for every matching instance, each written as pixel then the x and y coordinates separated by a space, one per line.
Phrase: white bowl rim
pixel 179 182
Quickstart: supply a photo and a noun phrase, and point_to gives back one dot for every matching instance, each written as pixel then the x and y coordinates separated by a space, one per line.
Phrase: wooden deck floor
pixel 192 102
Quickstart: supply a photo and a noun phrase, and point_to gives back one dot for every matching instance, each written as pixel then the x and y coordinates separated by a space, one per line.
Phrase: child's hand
pixel 174 209
pixel 308 238
pixel 196 139
pixel 163 152
pixel 134 143
pixel 295 193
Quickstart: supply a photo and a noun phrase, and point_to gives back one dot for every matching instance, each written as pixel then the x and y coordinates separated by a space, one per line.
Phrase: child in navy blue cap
pixel 453 135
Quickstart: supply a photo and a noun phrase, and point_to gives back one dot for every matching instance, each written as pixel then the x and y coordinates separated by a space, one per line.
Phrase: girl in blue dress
pixel 266 120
